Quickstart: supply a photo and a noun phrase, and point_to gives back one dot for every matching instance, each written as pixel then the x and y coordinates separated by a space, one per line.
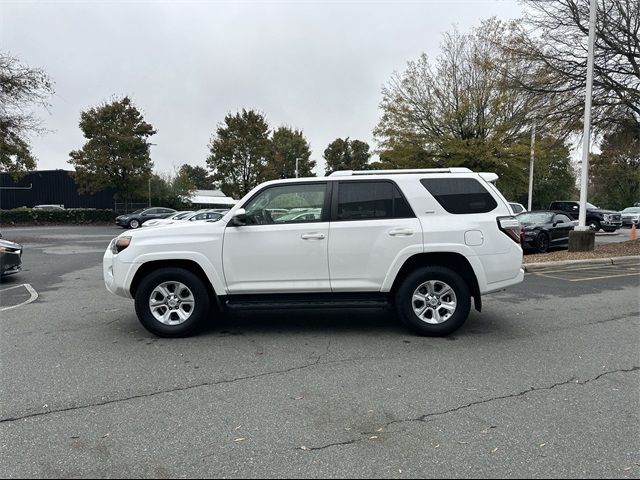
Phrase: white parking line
pixel 33 296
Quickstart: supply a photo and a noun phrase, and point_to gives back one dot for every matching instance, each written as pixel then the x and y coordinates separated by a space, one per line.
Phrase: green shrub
pixel 69 216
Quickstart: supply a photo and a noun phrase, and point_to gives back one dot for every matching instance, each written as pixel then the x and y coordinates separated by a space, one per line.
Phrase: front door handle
pixel 401 232
pixel 312 236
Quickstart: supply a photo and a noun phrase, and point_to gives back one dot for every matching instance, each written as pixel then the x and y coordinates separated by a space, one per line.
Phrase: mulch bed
pixel 622 249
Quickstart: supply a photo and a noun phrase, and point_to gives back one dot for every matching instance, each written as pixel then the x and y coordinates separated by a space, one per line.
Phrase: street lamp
pixel 297 159
pixel 533 142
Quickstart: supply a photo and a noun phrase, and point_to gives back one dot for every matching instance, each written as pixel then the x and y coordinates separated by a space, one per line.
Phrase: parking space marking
pixel 600 272
pixel 32 298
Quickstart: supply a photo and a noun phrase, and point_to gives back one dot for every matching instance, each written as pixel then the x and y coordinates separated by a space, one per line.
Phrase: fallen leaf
pixel 542 445
pixel 370 411
pixel 75 437
pixel 238 427
pixel 373 437
pixel 298 398
pixel 494 450
pixel 106 435
pixel 259 353
pixel 379 430
pixel 626 469
pixel 304 448
pixel 462 443
pixel 240 439
pixel 437 446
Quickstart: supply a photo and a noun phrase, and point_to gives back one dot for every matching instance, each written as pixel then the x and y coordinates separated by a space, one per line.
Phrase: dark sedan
pixel 542 230
pixel 137 218
pixel 10 257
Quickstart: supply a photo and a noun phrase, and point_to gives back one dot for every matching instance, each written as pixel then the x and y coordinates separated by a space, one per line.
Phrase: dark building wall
pixel 49 187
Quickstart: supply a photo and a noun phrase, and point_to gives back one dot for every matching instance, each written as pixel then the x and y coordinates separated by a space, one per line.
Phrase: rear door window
pixel 460 195
pixel 364 200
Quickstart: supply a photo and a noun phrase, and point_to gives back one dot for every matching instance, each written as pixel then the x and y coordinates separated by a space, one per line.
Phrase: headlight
pixel 9 250
pixel 119 244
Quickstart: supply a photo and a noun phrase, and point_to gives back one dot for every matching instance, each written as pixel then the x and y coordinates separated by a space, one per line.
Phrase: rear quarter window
pixel 460 195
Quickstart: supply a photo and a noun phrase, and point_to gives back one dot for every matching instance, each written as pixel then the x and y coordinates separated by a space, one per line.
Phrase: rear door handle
pixel 312 236
pixel 401 232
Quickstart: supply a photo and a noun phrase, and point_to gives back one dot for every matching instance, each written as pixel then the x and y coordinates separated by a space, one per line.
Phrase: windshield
pixel 535 217
pixel 632 210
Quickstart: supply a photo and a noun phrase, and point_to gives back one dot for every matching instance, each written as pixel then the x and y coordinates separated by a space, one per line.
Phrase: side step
pixel 304 301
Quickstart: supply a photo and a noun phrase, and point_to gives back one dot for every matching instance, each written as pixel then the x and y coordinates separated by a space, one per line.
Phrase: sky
pixel 318 66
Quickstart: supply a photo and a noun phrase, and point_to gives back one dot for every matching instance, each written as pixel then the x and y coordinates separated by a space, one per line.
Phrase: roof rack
pixel 348 173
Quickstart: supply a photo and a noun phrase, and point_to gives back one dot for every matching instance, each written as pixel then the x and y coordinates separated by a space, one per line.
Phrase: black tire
pixel 405 304
pixel 133 223
pixel 610 230
pixel 542 242
pixel 198 316
pixel 594 225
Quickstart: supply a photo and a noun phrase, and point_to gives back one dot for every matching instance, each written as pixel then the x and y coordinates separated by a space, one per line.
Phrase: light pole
pixel 586 140
pixel 533 142
pixel 297 159
pixel 582 238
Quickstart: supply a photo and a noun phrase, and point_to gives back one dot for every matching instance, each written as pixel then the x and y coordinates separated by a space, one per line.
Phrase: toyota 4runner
pixel 426 241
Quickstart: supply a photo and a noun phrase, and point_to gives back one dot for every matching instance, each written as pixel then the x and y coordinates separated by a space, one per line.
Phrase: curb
pixel 541 266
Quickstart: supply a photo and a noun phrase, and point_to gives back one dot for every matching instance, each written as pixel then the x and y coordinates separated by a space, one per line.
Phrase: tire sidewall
pixel 404 304
pixel 193 282
pixel 543 237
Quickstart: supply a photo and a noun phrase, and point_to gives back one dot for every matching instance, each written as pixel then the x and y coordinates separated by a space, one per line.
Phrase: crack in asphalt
pixel 180 389
pixel 425 417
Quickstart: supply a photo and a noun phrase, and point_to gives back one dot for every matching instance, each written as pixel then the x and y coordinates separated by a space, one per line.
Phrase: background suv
pixel 597 218
pixel 426 241
pixel 137 218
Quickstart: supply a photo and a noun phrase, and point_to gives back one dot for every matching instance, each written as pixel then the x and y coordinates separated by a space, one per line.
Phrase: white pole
pixel 533 142
pixel 149 191
pixel 586 140
pixel 297 167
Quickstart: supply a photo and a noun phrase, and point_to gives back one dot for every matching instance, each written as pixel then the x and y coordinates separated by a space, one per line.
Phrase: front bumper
pixel 10 263
pixel 117 275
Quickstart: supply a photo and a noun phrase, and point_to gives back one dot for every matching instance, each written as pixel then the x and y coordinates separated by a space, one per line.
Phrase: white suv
pixel 425 240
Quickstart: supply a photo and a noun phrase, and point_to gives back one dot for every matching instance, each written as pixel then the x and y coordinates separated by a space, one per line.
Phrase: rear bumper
pixel 497 286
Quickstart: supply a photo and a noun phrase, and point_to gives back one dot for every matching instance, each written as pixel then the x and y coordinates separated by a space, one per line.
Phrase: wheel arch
pixel 454 261
pixel 189 265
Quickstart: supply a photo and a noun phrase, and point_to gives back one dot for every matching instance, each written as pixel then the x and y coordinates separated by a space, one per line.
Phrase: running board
pixel 304 301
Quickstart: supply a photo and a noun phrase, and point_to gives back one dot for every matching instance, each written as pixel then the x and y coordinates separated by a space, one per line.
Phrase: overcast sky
pixel 316 66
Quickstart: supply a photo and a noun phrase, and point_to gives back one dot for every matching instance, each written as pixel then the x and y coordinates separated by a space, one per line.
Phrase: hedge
pixel 41 217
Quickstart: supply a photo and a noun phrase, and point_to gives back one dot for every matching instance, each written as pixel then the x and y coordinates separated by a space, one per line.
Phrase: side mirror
pixel 239 218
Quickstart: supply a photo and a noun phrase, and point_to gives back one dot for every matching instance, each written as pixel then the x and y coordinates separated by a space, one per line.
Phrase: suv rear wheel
pixel 172 302
pixel 433 301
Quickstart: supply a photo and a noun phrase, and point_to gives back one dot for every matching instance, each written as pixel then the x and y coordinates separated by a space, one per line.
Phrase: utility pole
pixel 297 159
pixel 149 191
pixel 533 142
pixel 582 239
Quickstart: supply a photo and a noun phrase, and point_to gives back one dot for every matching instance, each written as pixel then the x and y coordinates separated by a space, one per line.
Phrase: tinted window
pixel 460 195
pixel 371 201
pixel 152 211
pixel 295 203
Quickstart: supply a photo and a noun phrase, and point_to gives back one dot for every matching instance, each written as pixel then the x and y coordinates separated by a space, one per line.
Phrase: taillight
pixel 510 226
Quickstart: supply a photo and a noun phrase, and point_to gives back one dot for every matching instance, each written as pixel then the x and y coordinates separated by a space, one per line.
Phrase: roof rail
pixel 348 173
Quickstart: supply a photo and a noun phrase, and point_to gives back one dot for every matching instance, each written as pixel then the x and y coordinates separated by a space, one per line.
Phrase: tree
pixel 239 152
pixel 554 177
pixel 194 178
pixel 615 172
pixel 460 110
pixel 168 191
pixel 116 153
pixel 21 88
pixel 551 43
pixel 287 146
pixel 346 155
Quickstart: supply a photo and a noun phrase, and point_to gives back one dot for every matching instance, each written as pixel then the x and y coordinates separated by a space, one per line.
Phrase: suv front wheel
pixel 172 302
pixel 433 301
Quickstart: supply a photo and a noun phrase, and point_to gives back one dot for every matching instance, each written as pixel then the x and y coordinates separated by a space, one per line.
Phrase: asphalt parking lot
pixel 543 383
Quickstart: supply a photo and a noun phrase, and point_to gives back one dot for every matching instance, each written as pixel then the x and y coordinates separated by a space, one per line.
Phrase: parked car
pixel 597 218
pixel 48 207
pixel 631 216
pixel 517 208
pixel 542 230
pixel 137 218
pixel 210 215
pixel 170 219
pixel 427 241
pixel 10 257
